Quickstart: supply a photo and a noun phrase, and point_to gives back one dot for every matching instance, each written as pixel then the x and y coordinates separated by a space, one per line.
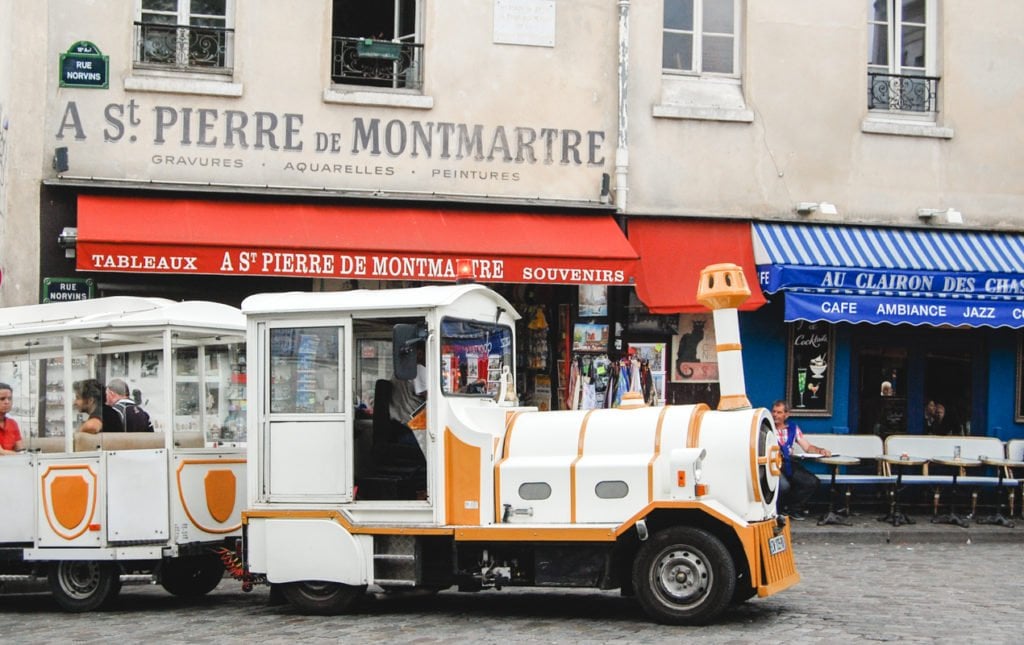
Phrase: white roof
pixel 372 299
pixel 119 312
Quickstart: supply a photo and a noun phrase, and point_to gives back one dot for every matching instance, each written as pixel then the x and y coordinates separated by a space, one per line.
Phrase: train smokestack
pixel 723 289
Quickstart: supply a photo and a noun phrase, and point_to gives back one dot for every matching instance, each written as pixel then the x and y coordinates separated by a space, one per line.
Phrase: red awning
pixel 129 234
pixel 674 251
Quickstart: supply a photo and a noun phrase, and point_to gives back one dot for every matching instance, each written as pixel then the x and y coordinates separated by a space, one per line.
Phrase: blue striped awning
pixel 893 275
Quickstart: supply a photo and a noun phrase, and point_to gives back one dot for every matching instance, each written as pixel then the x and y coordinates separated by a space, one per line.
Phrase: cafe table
pixel 1001 465
pixel 901 462
pixel 836 462
pixel 957 464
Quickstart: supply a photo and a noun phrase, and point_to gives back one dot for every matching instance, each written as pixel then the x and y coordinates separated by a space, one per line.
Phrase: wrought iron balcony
pixel 377 63
pixel 183 47
pixel 902 93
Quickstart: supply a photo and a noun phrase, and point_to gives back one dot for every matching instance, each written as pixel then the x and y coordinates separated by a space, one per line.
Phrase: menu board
pixel 809 367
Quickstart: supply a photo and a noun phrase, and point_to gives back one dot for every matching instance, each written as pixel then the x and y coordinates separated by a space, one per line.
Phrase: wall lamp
pixel 952 215
pixel 825 208
pixel 67 240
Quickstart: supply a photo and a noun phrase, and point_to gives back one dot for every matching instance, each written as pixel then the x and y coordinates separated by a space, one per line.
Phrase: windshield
pixel 472 355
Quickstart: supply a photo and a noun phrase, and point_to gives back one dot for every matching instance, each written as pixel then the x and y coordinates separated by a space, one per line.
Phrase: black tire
pixel 191 577
pixel 684 575
pixel 321 598
pixel 79 585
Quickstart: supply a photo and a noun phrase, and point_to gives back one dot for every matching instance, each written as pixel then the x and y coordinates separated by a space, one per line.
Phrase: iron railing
pixel 183 47
pixel 902 93
pixel 377 63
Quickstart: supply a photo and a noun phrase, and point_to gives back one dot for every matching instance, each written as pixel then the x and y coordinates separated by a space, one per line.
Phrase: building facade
pixel 588 158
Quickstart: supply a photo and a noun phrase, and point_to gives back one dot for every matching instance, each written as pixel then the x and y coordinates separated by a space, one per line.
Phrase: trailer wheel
pixel 683 575
pixel 321 598
pixel 191 577
pixel 84 586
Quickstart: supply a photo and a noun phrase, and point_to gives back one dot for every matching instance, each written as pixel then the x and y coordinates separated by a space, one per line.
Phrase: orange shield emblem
pixel 70 496
pixel 220 494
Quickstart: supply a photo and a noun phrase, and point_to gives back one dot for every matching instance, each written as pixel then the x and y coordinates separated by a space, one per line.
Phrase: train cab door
pixel 305 414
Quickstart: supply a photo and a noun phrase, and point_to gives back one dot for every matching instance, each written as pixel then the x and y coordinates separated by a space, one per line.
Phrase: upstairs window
pixel 699 37
pixel 185 35
pixel 901 56
pixel 377 44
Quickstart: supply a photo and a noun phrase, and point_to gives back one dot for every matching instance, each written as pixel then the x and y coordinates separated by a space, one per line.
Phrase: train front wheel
pixel 683 575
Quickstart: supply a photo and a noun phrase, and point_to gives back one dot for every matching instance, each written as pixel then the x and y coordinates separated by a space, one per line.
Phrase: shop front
pixel 663 319
pixel 541 261
pixel 885 326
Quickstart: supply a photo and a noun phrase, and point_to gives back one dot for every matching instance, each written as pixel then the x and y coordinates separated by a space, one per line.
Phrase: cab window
pixel 472 356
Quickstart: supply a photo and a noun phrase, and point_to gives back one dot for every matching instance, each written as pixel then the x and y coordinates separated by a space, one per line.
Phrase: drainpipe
pixel 622 143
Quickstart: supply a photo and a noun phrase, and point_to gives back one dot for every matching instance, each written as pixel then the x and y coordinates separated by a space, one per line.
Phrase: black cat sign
pixel 695 360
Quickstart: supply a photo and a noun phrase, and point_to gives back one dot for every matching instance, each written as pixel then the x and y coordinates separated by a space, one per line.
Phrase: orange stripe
pixel 729 347
pixel 572 466
pixel 657 453
pixel 754 480
pixel 181 493
pixel 462 479
pixel 336 516
pixel 693 432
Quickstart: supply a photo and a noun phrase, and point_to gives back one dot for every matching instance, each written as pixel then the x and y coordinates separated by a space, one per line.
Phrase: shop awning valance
pixel 898 276
pixel 673 252
pixel 129 234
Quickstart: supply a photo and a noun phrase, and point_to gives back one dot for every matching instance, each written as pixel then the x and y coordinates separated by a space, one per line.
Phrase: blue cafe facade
pixel 936 314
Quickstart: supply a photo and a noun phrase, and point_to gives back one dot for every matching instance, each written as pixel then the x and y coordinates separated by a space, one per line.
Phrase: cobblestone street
pixel 853 589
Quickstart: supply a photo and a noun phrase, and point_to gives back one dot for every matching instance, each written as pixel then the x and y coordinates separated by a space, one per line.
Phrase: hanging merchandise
pixel 537 339
pixel 592 386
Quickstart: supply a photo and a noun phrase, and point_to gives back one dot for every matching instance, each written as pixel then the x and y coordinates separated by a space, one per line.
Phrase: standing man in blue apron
pixel 796 483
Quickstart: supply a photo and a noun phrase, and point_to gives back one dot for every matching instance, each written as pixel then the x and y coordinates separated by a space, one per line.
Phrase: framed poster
pixel 1018 413
pixel 590 337
pixel 695 359
pixel 809 366
pixel 593 300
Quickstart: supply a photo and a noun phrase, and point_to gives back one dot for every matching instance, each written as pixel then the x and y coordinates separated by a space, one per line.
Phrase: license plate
pixel 777 544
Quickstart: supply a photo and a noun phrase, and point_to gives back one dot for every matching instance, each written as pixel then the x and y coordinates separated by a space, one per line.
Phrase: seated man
pixel 10 433
pixel 89 400
pixel 796 483
pixel 407 397
pixel 133 418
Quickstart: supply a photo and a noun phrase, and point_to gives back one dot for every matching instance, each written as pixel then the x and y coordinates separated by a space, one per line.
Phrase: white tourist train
pixel 674 505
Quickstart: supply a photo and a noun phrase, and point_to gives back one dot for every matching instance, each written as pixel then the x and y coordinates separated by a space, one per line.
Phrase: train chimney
pixel 723 289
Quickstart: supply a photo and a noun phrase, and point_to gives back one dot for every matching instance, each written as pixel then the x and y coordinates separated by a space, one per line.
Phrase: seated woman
pixel 89 400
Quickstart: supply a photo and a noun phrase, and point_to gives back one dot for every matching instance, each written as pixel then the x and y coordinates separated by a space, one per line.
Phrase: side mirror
pixel 405 337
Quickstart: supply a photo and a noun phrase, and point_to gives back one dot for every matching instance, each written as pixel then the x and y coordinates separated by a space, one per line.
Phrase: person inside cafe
pixel 10 433
pixel 945 423
pixel 89 400
pixel 796 484
pixel 886 389
pixel 929 417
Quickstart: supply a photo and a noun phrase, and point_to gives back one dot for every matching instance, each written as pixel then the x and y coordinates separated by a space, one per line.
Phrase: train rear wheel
pixel 321 598
pixel 684 575
pixel 191 577
pixel 84 586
